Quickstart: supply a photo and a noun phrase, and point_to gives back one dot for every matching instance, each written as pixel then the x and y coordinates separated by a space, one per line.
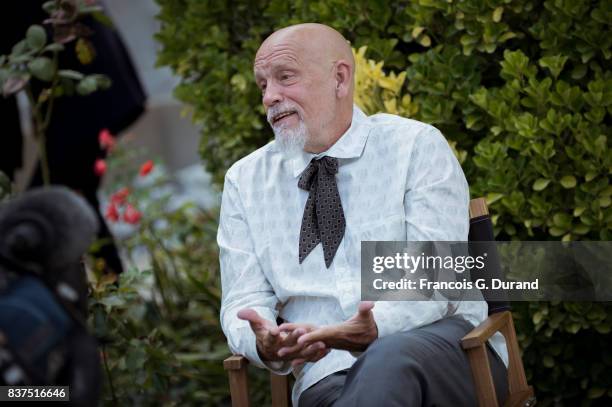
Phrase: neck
pixel 337 131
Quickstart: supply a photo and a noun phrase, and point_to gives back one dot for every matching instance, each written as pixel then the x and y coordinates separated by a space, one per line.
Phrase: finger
pixel 292 338
pixel 288 326
pixel 297 362
pixel 248 314
pixel 271 338
pixel 320 334
pixel 291 346
pixel 274 331
pixel 312 350
pixel 365 307
pixel 320 355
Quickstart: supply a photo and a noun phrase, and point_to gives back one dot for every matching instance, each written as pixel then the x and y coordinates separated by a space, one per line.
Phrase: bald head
pixel 309 69
pixel 316 41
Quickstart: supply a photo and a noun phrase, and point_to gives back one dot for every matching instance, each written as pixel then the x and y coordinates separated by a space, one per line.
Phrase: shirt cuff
pixel 382 325
pixel 279 367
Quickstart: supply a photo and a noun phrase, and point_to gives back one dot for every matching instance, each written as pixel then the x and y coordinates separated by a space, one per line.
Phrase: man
pixel 292 218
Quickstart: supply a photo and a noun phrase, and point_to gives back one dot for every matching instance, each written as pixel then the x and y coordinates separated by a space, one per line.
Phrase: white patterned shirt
pixel 398 179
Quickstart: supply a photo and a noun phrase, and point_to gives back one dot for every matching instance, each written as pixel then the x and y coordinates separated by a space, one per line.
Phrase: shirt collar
pixel 349 145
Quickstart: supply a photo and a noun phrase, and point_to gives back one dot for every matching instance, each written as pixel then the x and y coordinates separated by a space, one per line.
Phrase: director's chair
pixel 474 343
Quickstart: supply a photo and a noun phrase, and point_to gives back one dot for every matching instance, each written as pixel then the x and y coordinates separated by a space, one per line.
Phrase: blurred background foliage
pixel 158 322
pixel 522 91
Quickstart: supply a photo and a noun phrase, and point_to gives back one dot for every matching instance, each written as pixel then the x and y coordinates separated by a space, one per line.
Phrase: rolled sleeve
pixel 243 283
pixel 436 203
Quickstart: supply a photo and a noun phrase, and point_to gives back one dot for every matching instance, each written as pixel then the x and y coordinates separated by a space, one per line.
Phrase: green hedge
pixel 524 87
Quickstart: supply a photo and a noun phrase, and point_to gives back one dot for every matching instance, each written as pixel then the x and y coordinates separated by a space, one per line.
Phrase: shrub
pixel 158 326
pixel 521 89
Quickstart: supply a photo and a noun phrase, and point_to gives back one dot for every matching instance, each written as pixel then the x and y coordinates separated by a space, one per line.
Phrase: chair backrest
pixel 482 240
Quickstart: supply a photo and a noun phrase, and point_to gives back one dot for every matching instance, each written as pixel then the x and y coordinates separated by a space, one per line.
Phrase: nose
pixel 271 95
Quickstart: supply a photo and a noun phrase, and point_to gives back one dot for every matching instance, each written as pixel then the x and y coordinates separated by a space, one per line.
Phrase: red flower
pixel 131 215
pixel 146 168
pixel 119 197
pixel 99 167
pixel 112 213
pixel 106 139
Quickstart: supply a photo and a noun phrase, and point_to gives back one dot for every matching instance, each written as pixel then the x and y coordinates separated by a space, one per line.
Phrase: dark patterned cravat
pixel 323 219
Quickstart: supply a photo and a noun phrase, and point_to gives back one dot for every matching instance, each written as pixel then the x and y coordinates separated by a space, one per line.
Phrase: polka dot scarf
pixel 323 219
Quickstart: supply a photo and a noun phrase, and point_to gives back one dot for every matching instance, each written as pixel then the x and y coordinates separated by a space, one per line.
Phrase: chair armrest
pixel 236 367
pixel 519 392
pixel 235 362
pixel 479 335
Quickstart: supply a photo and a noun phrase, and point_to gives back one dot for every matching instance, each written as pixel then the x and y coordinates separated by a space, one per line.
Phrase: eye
pixel 285 76
pixel 262 86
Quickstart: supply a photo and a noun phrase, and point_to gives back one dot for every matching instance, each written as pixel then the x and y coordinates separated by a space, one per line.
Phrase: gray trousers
pixel 422 367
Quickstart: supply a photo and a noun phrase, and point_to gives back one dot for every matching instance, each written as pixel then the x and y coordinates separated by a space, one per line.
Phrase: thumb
pixel 248 314
pixel 365 308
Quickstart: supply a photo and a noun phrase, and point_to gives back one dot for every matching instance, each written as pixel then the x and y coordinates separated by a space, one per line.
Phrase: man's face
pixel 297 93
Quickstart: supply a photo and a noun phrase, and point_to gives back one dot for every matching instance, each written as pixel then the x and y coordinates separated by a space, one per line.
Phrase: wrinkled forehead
pixel 285 53
pixel 280 49
pixel 287 47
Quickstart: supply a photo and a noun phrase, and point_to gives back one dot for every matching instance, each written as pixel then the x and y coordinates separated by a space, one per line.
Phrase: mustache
pixel 277 110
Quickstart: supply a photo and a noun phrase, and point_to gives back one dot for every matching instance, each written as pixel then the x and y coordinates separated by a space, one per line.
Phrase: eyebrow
pixel 283 66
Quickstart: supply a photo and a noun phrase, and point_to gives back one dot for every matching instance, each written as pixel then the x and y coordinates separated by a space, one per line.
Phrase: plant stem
pixel 52 95
pixel 108 375
pixel 158 273
pixel 39 135
pixel 41 124
pixel 164 249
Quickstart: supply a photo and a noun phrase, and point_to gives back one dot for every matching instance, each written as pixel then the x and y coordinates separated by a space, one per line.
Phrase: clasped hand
pixel 300 343
pixel 276 345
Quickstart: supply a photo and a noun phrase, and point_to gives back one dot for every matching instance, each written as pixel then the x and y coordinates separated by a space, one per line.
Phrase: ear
pixel 344 78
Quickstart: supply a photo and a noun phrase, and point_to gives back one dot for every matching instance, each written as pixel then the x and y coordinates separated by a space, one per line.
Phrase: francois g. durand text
pixel 481 284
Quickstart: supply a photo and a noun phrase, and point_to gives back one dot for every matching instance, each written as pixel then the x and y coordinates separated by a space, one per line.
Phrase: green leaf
pixel 573 328
pixel 135 359
pixel 537 318
pixel 554 63
pixel 70 74
pixel 102 81
pixel 568 181
pixel 562 220
pixel 556 232
pixel 596 392
pixel 86 86
pixel 102 18
pixel 497 14
pixel 54 47
pixel 36 37
pixel 540 184
pixel 548 361
pixel 49 6
pixel 85 51
pixel 19 49
pixel 493 197
pixel 42 68
pixel 579 71
pixel 425 40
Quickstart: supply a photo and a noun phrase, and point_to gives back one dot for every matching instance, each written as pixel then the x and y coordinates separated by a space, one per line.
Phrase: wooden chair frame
pixel 474 343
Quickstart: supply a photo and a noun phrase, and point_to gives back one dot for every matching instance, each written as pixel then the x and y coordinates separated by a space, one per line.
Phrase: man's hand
pixel 356 334
pixel 270 340
pixel 293 349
